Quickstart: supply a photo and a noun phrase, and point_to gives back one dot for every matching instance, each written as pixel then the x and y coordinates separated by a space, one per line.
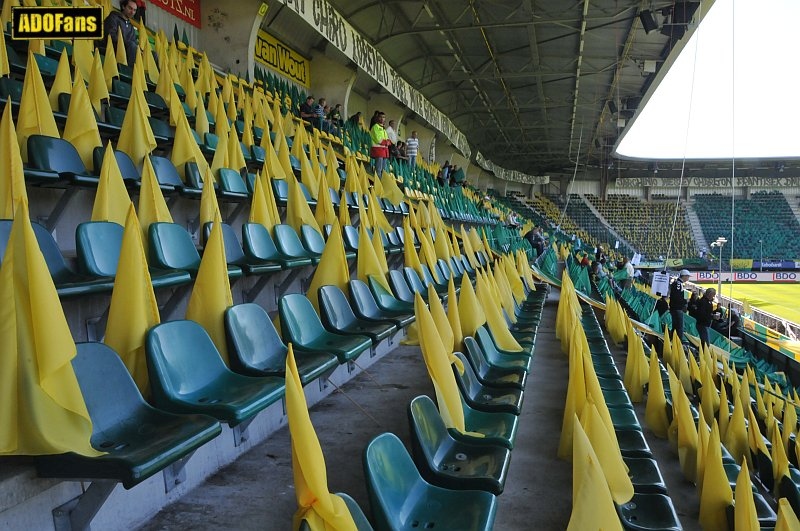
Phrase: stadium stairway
pixel 794 204
pixel 694 224
pixel 605 222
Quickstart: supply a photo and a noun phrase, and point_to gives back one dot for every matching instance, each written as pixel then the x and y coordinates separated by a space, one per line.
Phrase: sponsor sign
pixel 188 10
pixel 56 23
pixel 279 57
pixel 722 182
pixel 745 276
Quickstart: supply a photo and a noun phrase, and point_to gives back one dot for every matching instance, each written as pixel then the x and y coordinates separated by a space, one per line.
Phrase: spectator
pixel 380 144
pixel 118 24
pixel 335 119
pixel 706 314
pixel 512 220
pixel 628 266
pixel 141 8
pixel 677 304
pixel 355 119
pixel 374 119
pixel 307 109
pixel 319 115
pixel 662 306
pixel 412 148
pixel 391 132
pixel 446 170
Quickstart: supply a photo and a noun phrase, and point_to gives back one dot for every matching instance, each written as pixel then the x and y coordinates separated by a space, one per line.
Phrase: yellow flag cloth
pixel 136 137
pixel 220 159
pixel 410 256
pixel 780 462
pixel 42 409
pixel 81 127
pixel 152 207
pixel 367 261
pixel 12 177
pixel 468 250
pixel 440 245
pixel 298 213
pixel 391 191
pixel 62 84
pixel 110 67
pixel 592 505
pixel 655 415
pixel 453 316
pixel 209 208
pixel 35 115
pixel 363 218
pixel 344 213
pixel 576 397
pixel 185 148
pixel 235 154
pixel 271 162
pixel 436 360
pixel 211 294
pixel 269 197
pixel 608 455
pixel 380 251
pixel 258 207
pixel 494 318
pixel 112 200
pixel 316 505
pixel 443 326
pixel 82 56
pixel 307 175
pixel 201 125
pixel 716 495
pixel 787 520
pixel 324 213
pixel 133 309
pixel 98 90
pixel 122 57
pixel 687 436
pixel 5 66
pixel 703 436
pixel 469 309
pixel 332 267
pixel 745 515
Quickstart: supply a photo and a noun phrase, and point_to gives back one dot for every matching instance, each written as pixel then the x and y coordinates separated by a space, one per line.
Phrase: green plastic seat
pixel 162 131
pixel 428 280
pixel 386 300
pixel 313 242
pixel 767 518
pixel 645 475
pixel 402 499
pixel 350 238
pixel 256 349
pixel 126 166
pixel 632 442
pixel 138 439
pixel 649 512
pixel 488 344
pixel 57 155
pixel 624 418
pixel 486 398
pixel 288 243
pixel 187 375
pixel 98 245
pixel 449 463
pixel 171 247
pixel 338 317
pixel 67 282
pixel 232 187
pixel 498 359
pixel 301 326
pixel 401 289
pixel 489 374
pixel 281 190
pixel 258 245
pixel 235 255
pixel 617 398
pixel 169 179
pixel 415 283
pixel 496 428
pixel 365 307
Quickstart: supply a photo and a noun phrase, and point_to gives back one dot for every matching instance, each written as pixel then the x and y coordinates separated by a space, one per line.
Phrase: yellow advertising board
pixel 287 62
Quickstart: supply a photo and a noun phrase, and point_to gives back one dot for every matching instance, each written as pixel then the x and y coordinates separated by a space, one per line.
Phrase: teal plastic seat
pixel 98 245
pixel 401 289
pixel 428 280
pixel 649 512
pixel 496 428
pixel 288 243
pixel 301 326
pixel 256 349
pixel 232 187
pixel 313 242
pixel 365 307
pixel 67 282
pixel 414 282
pixel 632 442
pixel 645 475
pixel 187 375
pixel 402 499
pixel 126 166
pixel 452 464
pixel 485 398
pixel 138 439
pixel 386 300
pixel 281 190
pixel 488 344
pixel 59 156
pixel 338 317
pixel 489 374
pixel 235 255
pixel 169 179
pixel 518 360
pixel 258 245
pixel 171 247
pixel 350 238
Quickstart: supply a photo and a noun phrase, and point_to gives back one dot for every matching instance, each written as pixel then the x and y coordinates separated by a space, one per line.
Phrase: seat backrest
pixel 166 173
pixel 258 243
pixel 108 390
pixel 350 237
pixel 115 115
pixel 443 269
pixel 426 424
pixel 171 247
pixel 181 358
pixel 231 181
pixel 294 162
pixel 233 250
pixel 427 276
pixel 160 127
pixel 299 321
pixel 457 267
pixel 383 297
pixel 394 240
pixel 281 189
pixel 287 241
pixel 414 282
pixel 121 88
pixel 400 286
pixel 334 195
pixel 10 88
pixel 306 193
pixel 55 154
pixel 126 166
pixel 193 177
pixel 98 244
pixel 312 240
pixel 52 254
pixel 212 140
pixel 474 354
pixel 253 339
pixel 401 234
pixel 364 303
pixel 154 99
pixel 336 311
pixel 391 475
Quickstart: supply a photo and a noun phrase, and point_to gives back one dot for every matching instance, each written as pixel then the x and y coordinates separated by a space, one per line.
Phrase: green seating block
pixel 366 308
pixel 489 374
pixel 338 317
pixel 485 398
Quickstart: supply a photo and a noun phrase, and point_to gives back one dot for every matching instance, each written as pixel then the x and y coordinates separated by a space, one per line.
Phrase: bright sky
pixel 755 43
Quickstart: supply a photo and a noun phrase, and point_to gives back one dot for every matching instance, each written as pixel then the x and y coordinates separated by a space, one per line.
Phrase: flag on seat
pixel 316 505
pixel 332 267
pixel 98 90
pixel 5 66
pixel 112 200
pixel 62 84
pixel 152 207
pixel 81 127
pixel 35 114
pixel 470 311
pixel 12 176
pixel 716 495
pixel 42 410
pixel 614 468
pixel 133 309
pixel 367 263
pixel 259 211
pixel 209 207
pixel 136 136
pixel 655 415
pixel 298 213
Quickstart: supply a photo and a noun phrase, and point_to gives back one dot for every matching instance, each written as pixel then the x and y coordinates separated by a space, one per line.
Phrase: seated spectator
pixel 319 115
pixel 335 119
pixel 307 109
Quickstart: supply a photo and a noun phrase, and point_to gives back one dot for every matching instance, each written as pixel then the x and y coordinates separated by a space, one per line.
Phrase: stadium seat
pixel 498 358
pixel 386 301
pixel 98 244
pixel 187 375
pixel 138 439
pixel 288 243
pixel 58 155
pixel 171 247
pixel 494 428
pixel 235 255
pixel 231 185
pixel 338 317
pixel 301 326
pixel 256 349
pixel 645 475
pixel 258 245
pixel 168 177
pixel 401 289
pixel 452 464
pixel 126 166
pixel 366 308
pixel 359 518
pixel 489 374
pixel 401 499
pixel 485 398
pixel 313 242
pixel 350 239
pixel 649 512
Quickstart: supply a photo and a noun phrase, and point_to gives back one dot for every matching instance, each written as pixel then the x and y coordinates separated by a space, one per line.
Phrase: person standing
pixel 627 282
pixel 391 132
pixel 705 314
pixel 412 148
pixel 380 144
pixel 677 304
pixel 118 25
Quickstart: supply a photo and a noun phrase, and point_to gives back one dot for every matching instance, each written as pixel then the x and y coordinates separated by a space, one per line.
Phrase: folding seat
pixel 210 142
pixel 187 375
pixel 59 156
pixel 401 499
pixel 338 317
pixel 301 326
pixel 235 255
pixel 281 190
pixel 489 374
pixel 386 300
pixel 169 179
pixel 258 245
pixel 313 242
pixel 450 463
pixel 231 185
pixel 258 155
pixel 138 440
pixel 67 282
pixel 359 518
pixel 350 238
pixel 391 243
pixel 365 307
pixel 256 349
pixel 485 398
pixel 401 289
pixel 288 243
pixel 171 247
pixel 162 131
pixel 126 166
pixel 98 245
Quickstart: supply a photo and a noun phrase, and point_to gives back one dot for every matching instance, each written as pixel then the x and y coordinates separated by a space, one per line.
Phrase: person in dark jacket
pixel 705 314
pixel 118 24
pixel 662 306
pixel 677 304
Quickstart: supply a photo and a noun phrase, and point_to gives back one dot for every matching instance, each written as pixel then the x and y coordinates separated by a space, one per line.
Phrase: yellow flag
pixel 410 256
pixel 133 309
pixel 787 520
pixel 12 176
pixel 332 267
pixel 152 207
pixel 209 208
pixel 316 505
pixel 136 137
pixel 298 213
pixel 442 325
pixel 98 90
pixel 453 316
pixel 469 309
pixel 82 56
pixel 221 154
pixel 62 82
pixel 110 67
pixel 494 318
pixel 259 213
pixel 201 119
pixel 380 251
pixel 35 115
pixel 324 213
pixel 307 175
pixel 687 435
pixel 185 148
pixel 81 128
pixel 111 201
pixel 211 294
pixel 608 455
pixel 42 409
pixel 344 213
pixel 576 397
pixel 703 436
pixel 5 66
pixel 122 57
pixel 716 495
pixel 367 261
pixel 655 412
pixel 745 515
pixel 235 154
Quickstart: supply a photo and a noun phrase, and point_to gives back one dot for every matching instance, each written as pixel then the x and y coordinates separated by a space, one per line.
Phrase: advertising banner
pixel 745 276
pixel 279 57
pixel 188 10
